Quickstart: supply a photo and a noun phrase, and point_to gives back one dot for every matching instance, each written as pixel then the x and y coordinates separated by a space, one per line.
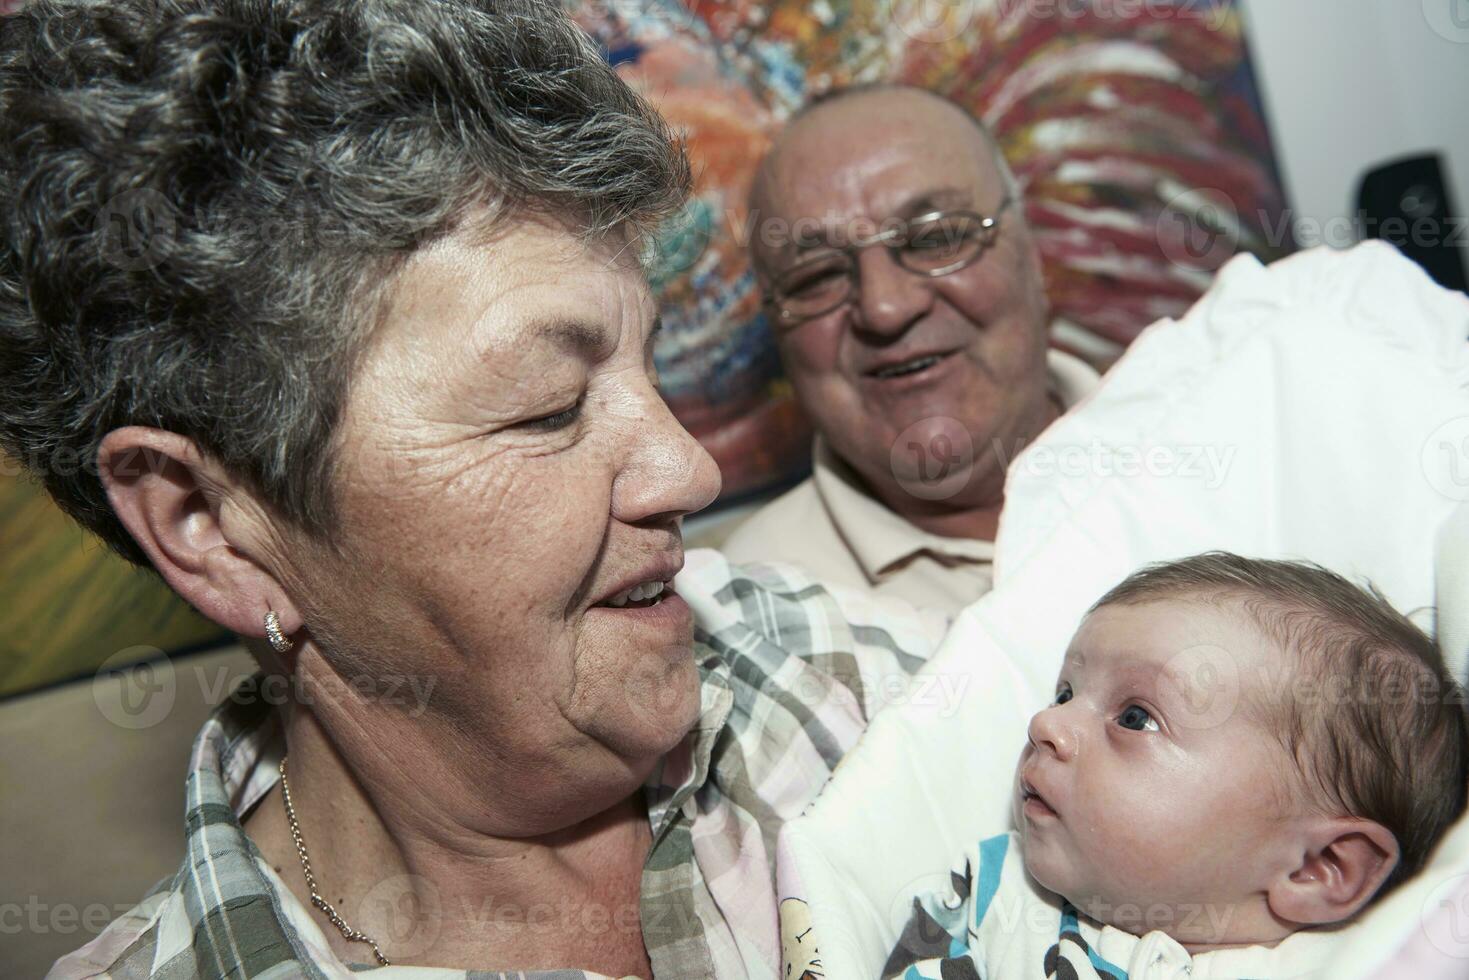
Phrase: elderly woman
pixel 344 301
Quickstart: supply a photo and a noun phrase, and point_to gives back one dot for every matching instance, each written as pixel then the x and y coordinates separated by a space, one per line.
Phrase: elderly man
pixel 905 291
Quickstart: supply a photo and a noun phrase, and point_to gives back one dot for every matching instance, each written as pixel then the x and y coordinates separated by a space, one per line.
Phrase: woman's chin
pixel 649 706
pixel 669 710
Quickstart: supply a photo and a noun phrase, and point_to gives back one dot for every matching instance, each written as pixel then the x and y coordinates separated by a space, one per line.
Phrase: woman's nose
pixel 1051 731
pixel 666 472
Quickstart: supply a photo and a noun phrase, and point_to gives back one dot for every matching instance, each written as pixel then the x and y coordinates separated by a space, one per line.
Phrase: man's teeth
pixel 909 367
pixel 639 592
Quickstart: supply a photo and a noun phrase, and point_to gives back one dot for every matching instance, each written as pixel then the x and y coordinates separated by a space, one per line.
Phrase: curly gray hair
pixel 202 199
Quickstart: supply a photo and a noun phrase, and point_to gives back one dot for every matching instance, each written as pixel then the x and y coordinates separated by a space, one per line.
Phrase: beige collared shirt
pixel 841 535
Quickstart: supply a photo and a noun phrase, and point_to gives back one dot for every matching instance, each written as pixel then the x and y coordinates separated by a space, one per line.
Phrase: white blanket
pixel 1317 409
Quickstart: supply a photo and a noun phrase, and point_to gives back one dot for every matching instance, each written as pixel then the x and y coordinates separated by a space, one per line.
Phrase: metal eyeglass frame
pixel 988 224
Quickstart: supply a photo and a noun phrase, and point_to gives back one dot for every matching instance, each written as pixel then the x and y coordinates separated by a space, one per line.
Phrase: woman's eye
pixel 550 423
pixel 1063 694
pixel 1137 719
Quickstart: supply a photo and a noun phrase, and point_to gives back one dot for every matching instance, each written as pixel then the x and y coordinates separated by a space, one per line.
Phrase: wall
pixel 1349 84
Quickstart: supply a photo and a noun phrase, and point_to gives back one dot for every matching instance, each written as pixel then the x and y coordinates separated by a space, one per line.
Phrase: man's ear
pixel 189 516
pixel 1345 861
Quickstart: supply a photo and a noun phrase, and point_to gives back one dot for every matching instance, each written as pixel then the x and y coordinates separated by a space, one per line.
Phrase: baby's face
pixel 1148 794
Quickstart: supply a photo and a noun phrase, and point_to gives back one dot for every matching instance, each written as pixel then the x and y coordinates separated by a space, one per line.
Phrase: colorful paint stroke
pixel 1134 127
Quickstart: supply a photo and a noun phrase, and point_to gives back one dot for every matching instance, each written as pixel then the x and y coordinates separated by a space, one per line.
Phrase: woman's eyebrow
pixel 583 338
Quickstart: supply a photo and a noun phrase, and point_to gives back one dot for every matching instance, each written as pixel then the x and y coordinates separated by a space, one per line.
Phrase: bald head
pixel 846 126
pixel 897 96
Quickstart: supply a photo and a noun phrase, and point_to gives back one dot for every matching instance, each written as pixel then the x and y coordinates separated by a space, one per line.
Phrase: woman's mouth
pixel 651 606
pixel 640 596
pixel 646 600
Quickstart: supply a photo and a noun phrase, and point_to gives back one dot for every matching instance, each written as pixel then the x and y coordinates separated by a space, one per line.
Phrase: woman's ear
pixel 1345 861
pixel 172 499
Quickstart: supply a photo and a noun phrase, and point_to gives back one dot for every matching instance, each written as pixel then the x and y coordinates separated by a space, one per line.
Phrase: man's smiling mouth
pixel 904 368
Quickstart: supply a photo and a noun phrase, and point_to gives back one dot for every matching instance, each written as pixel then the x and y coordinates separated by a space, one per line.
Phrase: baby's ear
pixel 1345 861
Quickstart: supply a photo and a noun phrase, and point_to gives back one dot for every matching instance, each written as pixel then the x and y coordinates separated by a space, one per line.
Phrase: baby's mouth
pixel 1033 803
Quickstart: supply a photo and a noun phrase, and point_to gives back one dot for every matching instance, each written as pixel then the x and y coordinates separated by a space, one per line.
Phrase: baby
pixel 1239 753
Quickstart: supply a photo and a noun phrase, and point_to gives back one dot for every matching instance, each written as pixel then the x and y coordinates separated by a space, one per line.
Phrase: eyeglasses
pixel 932 245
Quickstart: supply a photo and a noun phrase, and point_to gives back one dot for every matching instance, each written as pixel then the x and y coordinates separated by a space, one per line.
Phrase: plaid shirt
pixel 790 675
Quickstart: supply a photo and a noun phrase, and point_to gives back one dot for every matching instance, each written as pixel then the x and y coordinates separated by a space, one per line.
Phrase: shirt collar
pixel 232 765
pixel 878 537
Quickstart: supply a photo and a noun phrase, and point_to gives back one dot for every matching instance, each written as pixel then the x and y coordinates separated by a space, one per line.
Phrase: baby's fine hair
pixel 1374 721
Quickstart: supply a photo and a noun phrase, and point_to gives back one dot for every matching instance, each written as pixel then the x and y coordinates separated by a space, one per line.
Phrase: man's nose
pixel 889 297
pixel 1051 731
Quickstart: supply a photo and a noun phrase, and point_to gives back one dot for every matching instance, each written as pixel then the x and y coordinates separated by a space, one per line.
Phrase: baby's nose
pixel 1050 732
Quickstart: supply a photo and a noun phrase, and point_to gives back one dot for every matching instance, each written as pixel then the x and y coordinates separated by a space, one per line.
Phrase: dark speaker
pixel 1407 203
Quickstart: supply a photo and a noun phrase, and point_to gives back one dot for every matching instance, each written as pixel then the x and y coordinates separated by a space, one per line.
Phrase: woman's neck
pixel 433 892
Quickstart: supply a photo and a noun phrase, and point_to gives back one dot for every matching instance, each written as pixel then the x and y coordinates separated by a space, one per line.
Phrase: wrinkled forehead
pixel 517 283
pixel 878 155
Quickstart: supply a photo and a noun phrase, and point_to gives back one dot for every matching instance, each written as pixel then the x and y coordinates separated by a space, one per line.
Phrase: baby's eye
pixel 1137 719
pixel 1063 694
